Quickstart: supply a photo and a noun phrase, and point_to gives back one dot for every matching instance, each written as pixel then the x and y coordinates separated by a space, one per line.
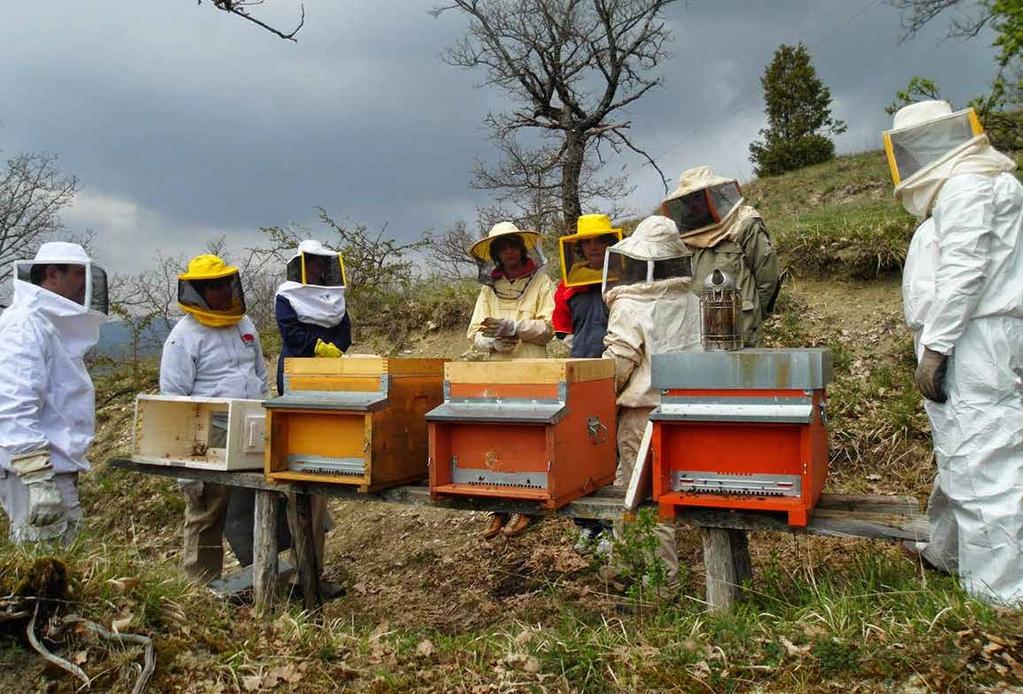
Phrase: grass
pixel 830 616
pixel 821 614
pixel 837 219
pixel 879 432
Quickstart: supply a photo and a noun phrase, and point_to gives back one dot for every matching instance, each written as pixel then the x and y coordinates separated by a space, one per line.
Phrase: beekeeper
pixel 310 306
pixel 963 298
pixel 313 320
pixel 726 234
pixel 213 351
pixel 580 319
pixel 651 311
pixel 512 316
pixel 47 401
pixel 580 314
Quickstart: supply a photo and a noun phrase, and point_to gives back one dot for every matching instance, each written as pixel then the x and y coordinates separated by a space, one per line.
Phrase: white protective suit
pixel 963 297
pixel 225 362
pixel 644 319
pixel 47 400
pixel 218 362
pixel 649 317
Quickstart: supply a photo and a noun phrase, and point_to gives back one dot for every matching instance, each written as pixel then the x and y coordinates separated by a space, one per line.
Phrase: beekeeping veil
pixel 315 287
pixel 928 143
pixel 653 252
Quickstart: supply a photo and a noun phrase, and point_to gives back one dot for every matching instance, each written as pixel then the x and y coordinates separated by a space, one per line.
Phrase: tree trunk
pixel 571 170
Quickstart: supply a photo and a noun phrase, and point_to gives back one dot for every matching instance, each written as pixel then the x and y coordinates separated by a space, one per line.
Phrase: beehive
pixel 532 429
pixel 204 433
pixel 744 430
pixel 358 420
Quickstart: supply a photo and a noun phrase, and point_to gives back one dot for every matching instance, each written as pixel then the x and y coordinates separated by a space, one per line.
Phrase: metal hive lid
pixel 781 369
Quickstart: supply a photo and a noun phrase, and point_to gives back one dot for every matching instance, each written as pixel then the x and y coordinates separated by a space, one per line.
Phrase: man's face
pixel 217 294
pixel 69 284
pixel 593 251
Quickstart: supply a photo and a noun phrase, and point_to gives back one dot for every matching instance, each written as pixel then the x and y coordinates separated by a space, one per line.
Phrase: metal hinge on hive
pixel 695 482
pixel 494 478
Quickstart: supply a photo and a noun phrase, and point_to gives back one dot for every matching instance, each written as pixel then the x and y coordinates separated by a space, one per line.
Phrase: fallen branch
pixel 49 657
pixel 137 639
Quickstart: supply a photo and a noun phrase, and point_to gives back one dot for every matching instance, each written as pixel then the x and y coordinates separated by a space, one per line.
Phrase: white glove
pixel 45 502
pixel 499 327
pixel 505 344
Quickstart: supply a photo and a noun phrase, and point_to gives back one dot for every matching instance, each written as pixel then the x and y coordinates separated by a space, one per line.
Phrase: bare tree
pixel 572 67
pixel 526 186
pixel 240 8
pixel 151 293
pixel 33 191
pixel 916 14
pixel 449 252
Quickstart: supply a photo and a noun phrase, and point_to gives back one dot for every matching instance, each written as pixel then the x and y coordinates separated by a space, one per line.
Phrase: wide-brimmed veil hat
pixel 481 249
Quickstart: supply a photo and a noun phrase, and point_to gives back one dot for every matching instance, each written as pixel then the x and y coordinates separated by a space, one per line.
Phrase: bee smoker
pixel 720 309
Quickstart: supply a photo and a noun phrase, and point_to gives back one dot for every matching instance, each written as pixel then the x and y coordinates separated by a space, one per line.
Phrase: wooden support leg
pixel 727 563
pixel 300 518
pixel 740 556
pixel 264 559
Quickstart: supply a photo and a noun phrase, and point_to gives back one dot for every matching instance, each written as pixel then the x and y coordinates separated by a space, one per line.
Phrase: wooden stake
pixel 300 518
pixel 727 564
pixel 264 560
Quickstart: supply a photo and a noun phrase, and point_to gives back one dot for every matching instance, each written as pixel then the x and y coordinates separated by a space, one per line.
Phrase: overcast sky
pixel 184 123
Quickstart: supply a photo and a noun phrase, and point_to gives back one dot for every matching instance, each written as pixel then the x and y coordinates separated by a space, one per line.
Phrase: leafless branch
pixel 919 13
pixel 569 65
pixel 239 8
pixel 33 192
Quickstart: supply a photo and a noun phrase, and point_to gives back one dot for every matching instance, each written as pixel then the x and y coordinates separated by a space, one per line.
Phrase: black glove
pixel 930 375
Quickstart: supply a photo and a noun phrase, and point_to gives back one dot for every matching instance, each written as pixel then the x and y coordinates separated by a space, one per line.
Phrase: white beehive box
pixel 205 433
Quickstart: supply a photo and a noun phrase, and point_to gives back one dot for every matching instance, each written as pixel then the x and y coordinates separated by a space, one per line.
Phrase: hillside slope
pixel 432 607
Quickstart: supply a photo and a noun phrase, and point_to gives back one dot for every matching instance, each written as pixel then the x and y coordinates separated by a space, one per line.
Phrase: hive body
pixel 533 429
pixel 358 420
pixel 203 433
pixel 741 430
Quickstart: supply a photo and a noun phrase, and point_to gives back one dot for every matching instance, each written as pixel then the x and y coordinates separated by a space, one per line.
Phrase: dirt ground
pixel 430 568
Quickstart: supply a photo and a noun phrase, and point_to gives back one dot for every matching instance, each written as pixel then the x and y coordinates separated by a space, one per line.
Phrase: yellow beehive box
pixel 358 420
pixel 203 433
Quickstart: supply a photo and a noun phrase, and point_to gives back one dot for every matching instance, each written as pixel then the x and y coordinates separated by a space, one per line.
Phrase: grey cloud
pixel 203 125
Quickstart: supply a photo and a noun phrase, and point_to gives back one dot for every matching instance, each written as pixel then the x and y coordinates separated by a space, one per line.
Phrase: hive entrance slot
pixel 752 484
pixel 321 465
pixel 494 478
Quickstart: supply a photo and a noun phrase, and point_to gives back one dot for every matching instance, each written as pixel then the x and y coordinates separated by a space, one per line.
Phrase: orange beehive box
pixel 357 420
pixel 531 429
pixel 743 430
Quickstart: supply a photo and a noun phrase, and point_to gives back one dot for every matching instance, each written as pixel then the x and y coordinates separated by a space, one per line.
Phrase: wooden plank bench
pixel 725 550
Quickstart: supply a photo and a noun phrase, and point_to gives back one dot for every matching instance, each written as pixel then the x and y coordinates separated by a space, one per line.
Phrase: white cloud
pixel 129 235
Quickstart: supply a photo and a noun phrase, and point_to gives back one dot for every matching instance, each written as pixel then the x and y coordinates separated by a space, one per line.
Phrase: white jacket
pixel 46 396
pixel 966 261
pixel 645 319
pixel 213 362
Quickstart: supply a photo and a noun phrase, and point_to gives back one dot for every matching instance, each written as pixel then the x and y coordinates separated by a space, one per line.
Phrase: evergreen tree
pixel 798 112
